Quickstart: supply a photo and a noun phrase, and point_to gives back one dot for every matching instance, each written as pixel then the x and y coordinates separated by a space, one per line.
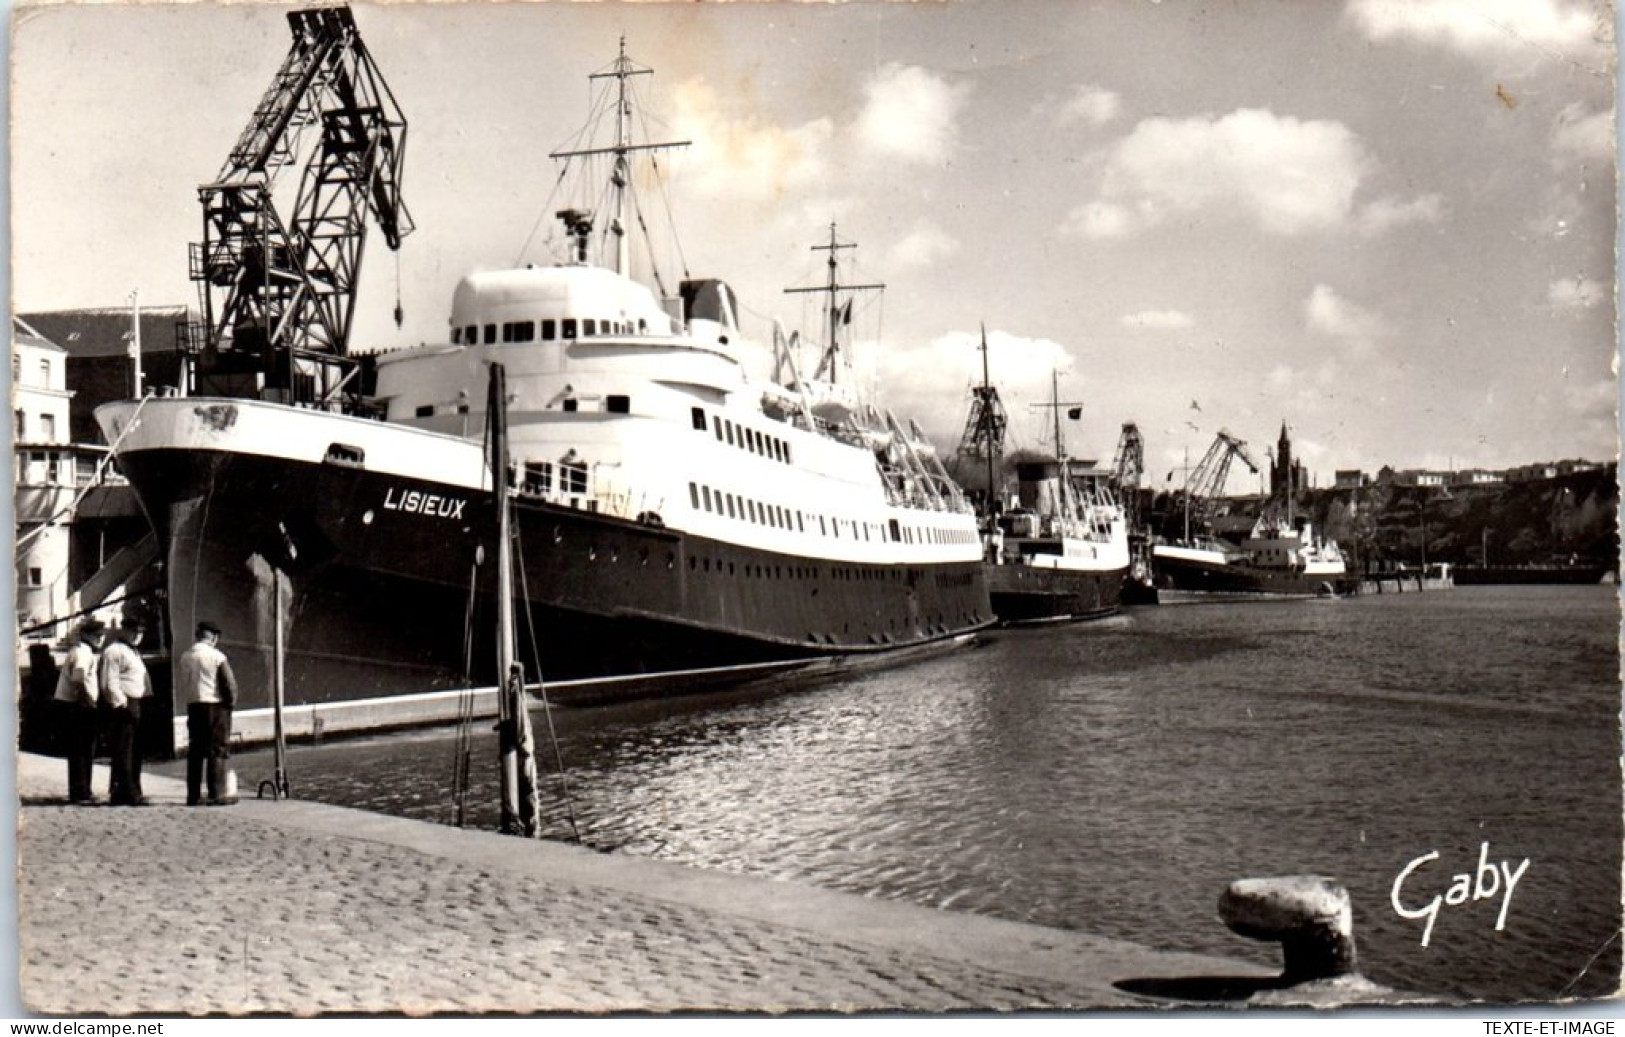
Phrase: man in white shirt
pixel 77 690
pixel 125 684
pixel 205 683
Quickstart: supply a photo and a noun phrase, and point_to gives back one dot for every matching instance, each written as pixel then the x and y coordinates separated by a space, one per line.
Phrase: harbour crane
pixel 278 296
pixel 1205 482
pixel 1127 470
pixel 983 439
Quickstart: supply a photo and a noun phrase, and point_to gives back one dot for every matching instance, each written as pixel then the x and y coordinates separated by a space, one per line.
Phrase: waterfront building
pixel 1476 477
pixel 43 473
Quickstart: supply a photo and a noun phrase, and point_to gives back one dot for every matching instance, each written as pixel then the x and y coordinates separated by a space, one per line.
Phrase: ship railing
pixel 578 485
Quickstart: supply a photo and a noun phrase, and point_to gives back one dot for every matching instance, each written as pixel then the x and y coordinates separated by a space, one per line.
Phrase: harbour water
pixel 1113 777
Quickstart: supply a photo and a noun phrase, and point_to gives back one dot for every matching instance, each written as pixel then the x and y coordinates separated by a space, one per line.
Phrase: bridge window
pixel 589 327
pixel 705 495
pixel 519 331
pixel 716 426
pixel 425 411
pixel 550 329
pixel 537 478
pixel 697 416
pixel 694 496
pixel 619 404
pixel 490 333
pixel 567 328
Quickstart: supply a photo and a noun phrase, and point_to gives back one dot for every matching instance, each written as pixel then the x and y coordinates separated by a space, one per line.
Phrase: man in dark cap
pixel 125 684
pixel 77 691
pixel 205 682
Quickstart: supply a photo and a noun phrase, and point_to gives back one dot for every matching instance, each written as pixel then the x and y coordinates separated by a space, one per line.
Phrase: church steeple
pixel 1286 477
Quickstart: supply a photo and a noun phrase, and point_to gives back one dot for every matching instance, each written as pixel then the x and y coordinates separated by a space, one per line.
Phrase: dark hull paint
pixel 1475 575
pixel 1179 578
pixel 1027 594
pixel 377 600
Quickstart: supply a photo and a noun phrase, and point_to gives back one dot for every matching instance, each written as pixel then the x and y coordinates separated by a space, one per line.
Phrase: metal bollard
pixel 1309 915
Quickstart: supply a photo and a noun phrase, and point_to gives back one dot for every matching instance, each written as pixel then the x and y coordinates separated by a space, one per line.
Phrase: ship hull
pixel 1192 579
pixel 1025 594
pixel 1473 575
pixel 384 586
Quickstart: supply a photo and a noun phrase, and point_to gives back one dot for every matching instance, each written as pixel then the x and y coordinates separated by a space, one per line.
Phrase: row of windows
pixel 17 371
pixel 47 426
pixel 732 505
pixel 525 330
pixel 745 438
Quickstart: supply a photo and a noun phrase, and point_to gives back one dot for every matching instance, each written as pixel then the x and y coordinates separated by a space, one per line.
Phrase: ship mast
pixel 580 223
pixel 1074 409
pixel 838 315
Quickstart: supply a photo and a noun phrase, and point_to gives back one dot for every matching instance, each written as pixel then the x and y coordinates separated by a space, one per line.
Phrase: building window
pixel 619 404
pixel 16 369
pixel 36 578
pixel 519 331
pixel 568 328
pixel 698 419
pixel 45 372
pixel 47 427
pixel 490 334
pixel 22 424
pixel 550 330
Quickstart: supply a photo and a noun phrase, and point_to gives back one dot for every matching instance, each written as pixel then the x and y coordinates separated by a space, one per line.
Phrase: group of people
pixel 101 688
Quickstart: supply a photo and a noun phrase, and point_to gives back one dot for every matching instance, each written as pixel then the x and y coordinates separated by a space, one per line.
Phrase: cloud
pixel 921 380
pixel 744 158
pixel 1291 176
pixel 1385 214
pixel 1100 220
pixel 1157 320
pixel 1576 294
pixel 922 246
pixel 1489 28
pixel 1328 313
pixel 1091 104
pixel 911 114
pixel 1579 137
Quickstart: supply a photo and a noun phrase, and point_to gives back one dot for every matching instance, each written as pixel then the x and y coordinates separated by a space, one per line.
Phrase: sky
pixel 1389 224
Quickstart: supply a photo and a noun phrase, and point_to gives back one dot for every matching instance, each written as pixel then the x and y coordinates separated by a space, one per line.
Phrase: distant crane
pixel 1205 482
pixel 1128 468
pixel 278 297
pixel 983 439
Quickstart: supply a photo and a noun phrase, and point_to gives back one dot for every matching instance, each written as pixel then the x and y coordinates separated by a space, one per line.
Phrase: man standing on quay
pixel 125 684
pixel 76 693
pixel 205 682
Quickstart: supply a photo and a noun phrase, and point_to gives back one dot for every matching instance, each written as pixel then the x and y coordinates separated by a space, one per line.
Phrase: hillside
pixel 1383 526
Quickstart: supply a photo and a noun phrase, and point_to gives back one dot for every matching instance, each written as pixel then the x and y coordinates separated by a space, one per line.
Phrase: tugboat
pixel 677 524
pixel 1061 553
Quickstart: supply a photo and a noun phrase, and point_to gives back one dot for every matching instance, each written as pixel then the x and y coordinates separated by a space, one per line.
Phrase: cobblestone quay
pixel 301 908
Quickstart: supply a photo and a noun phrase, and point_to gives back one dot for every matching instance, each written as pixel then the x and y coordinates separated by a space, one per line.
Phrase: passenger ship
pixel 679 523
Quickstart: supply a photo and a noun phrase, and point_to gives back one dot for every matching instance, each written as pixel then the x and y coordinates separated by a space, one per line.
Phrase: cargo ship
pixel 678 524
pixel 1279 558
pixel 1062 552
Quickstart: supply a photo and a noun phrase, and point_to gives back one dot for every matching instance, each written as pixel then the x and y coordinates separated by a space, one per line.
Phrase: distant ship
pixel 1281 556
pixel 1062 552
pixel 678 523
